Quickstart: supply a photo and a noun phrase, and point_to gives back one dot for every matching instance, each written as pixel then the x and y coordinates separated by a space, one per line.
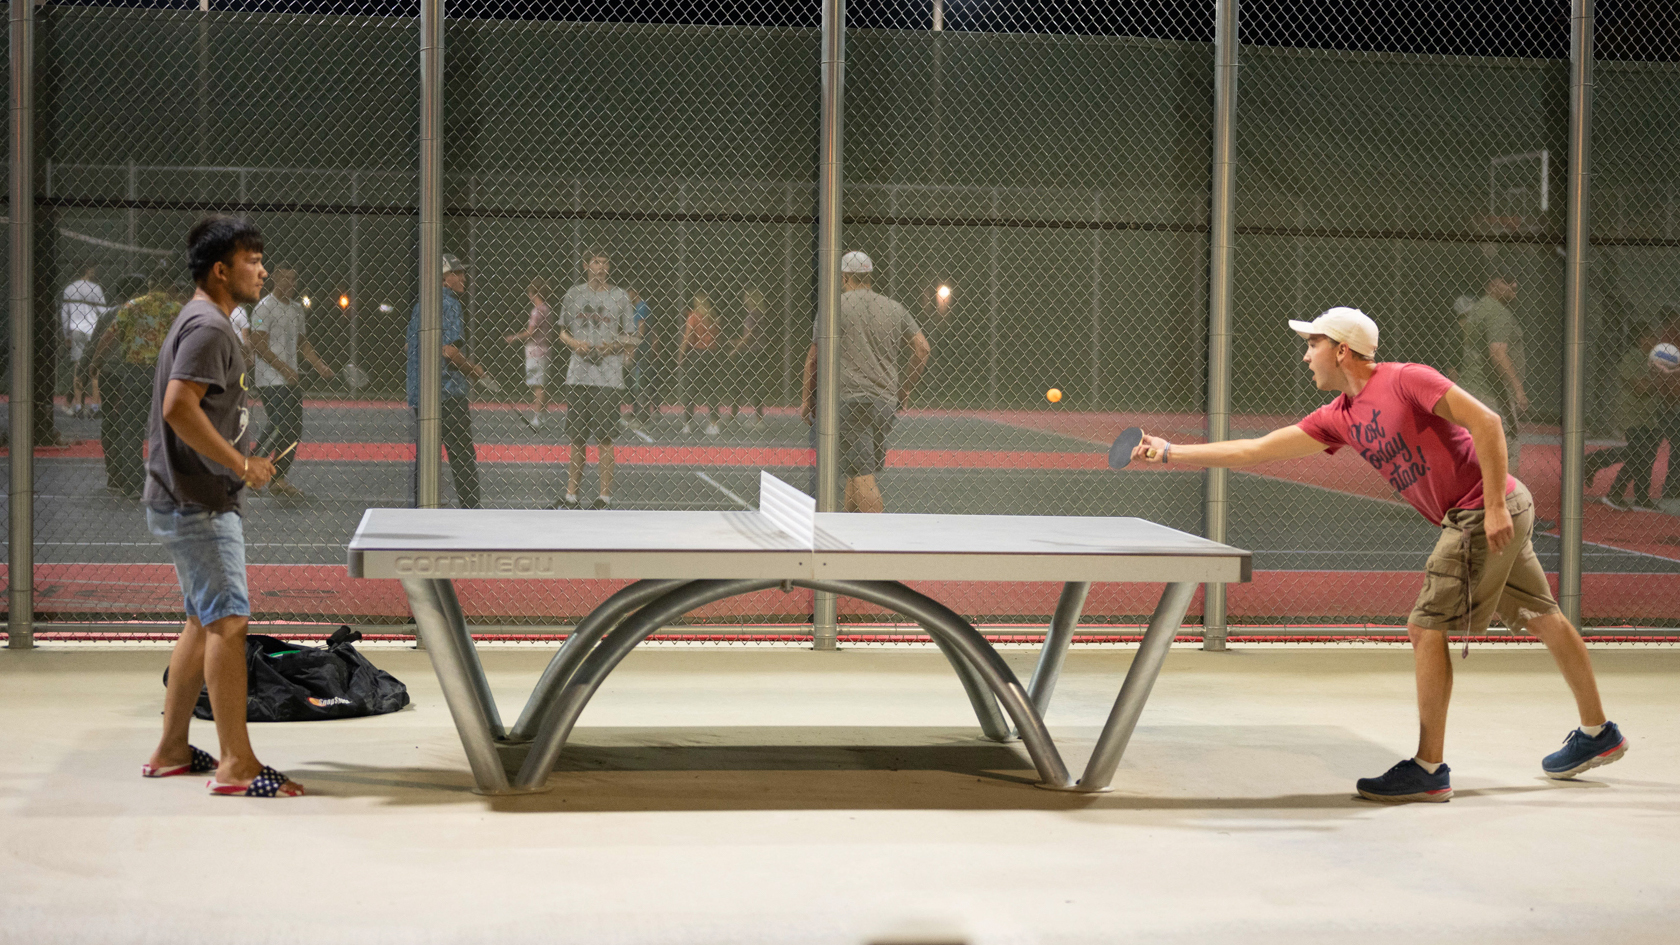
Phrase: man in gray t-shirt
pixel 195 473
pixel 201 348
pixel 872 330
pixel 598 325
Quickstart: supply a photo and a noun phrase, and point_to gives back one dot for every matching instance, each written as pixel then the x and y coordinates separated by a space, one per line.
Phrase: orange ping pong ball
pixel 1053 395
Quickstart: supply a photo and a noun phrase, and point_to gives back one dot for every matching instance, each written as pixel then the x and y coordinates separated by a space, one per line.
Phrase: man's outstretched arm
pixel 1282 443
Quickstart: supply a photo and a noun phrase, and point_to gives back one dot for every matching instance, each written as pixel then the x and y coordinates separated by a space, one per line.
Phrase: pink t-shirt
pixel 1431 462
pixel 537 345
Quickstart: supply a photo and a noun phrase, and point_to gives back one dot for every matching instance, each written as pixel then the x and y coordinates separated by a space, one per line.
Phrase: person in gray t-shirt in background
pixel 279 342
pixel 598 324
pixel 872 329
pixel 195 473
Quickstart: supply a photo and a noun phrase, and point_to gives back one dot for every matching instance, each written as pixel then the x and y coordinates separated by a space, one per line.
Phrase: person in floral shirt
pixel 130 350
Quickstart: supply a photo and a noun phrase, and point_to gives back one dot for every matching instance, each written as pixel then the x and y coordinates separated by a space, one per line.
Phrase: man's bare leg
pixel 224 671
pixel 539 399
pixel 862 495
pixel 1570 654
pixel 608 467
pixel 186 679
pixel 1433 664
pixel 580 455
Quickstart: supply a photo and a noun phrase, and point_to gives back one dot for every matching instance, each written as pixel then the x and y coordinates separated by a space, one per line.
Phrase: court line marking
pixel 725 490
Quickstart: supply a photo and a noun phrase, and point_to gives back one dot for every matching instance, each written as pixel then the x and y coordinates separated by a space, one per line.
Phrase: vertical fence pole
pixel 1215 500
pixel 830 181
pixel 20 628
pixel 1577 233
pixel 428 468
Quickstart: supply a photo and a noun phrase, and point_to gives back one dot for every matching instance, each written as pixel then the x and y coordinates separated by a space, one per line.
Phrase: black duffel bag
pixel 294 682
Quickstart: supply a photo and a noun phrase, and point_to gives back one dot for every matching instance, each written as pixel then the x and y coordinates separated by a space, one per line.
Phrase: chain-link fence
pixel 1633 412
pixel 1030 181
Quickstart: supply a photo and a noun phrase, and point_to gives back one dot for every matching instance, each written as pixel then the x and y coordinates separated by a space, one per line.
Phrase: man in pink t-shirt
pixel 1444 452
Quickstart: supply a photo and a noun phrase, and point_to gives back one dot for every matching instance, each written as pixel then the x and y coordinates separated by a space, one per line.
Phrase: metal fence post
pixel 20 628
pixel 1577 233
pixel 429 441
pixel 830 182
pixel 1216 499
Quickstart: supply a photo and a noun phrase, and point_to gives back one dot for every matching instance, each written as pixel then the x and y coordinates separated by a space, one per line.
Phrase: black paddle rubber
pixel 1121 452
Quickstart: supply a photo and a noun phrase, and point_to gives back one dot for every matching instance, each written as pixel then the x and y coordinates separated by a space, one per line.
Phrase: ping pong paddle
pixel 1120 454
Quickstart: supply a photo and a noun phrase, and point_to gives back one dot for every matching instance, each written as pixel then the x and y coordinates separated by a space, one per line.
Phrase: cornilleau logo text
pixel 481 564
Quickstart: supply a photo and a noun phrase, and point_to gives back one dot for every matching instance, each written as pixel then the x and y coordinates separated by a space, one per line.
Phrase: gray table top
pixel 521 544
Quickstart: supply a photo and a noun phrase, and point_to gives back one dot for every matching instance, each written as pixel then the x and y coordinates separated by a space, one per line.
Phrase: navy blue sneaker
pixel 1407 781
pixel 1580 752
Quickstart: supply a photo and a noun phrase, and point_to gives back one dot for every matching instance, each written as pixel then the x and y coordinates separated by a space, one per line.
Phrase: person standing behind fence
pixel 598 324
pixel 749 371
pixel 872 330
pixel 195 474
pixel 278 338
pixel 1668 409
pixel 1637 416
pixel 133 340
pixel 1491 365
pixel 535 336
pixel 456 412
pixel 82 303
pixel 1493 361
pixel 697 363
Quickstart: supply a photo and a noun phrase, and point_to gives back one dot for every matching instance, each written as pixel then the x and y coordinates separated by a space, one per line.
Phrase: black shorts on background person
pixel 592 413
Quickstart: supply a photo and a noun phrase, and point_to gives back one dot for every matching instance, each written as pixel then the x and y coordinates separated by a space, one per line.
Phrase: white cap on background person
pixel 452 263
pixel 856 261
pixel 1348 326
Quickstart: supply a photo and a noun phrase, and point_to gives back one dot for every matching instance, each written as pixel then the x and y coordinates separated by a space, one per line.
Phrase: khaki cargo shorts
pixel 1464 581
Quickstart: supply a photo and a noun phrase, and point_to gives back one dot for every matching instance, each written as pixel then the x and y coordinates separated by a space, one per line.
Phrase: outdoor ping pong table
pixel 684 560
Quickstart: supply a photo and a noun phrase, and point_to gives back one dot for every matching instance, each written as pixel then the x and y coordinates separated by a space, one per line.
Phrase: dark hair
pixel 131 286
pixel 1639 330
pixel 215 239
pixel 162 276
pixel 596 252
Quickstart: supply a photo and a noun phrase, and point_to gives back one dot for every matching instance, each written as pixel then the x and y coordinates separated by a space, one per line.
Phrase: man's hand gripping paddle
pixel 1120 454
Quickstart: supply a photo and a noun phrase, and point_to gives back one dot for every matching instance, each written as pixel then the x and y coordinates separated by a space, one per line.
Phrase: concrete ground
pixel 747 795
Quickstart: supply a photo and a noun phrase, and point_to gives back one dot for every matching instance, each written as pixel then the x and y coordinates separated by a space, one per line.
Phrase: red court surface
pixel 65 590
pixel 1314 596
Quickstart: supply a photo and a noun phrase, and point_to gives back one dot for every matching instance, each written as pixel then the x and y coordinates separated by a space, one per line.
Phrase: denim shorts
pixel 209 553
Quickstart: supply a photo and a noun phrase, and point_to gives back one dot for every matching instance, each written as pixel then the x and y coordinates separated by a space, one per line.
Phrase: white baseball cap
pixel 452 263
pixel 856 261
pixel 1348 326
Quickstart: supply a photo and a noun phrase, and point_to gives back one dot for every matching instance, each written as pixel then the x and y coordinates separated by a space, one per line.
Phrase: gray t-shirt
pixel 597 318
pixel 201 347
pixel 283 321
pixel 872 330
pixel 1488 322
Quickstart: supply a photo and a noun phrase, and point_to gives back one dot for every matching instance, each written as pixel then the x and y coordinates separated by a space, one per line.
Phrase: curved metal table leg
pixel 967 641
pixel 557 724
pixel 1134 692
pixel 992 722
pixel 1056 640
pixel 438 619
pixel 940 621
pixel 576 648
